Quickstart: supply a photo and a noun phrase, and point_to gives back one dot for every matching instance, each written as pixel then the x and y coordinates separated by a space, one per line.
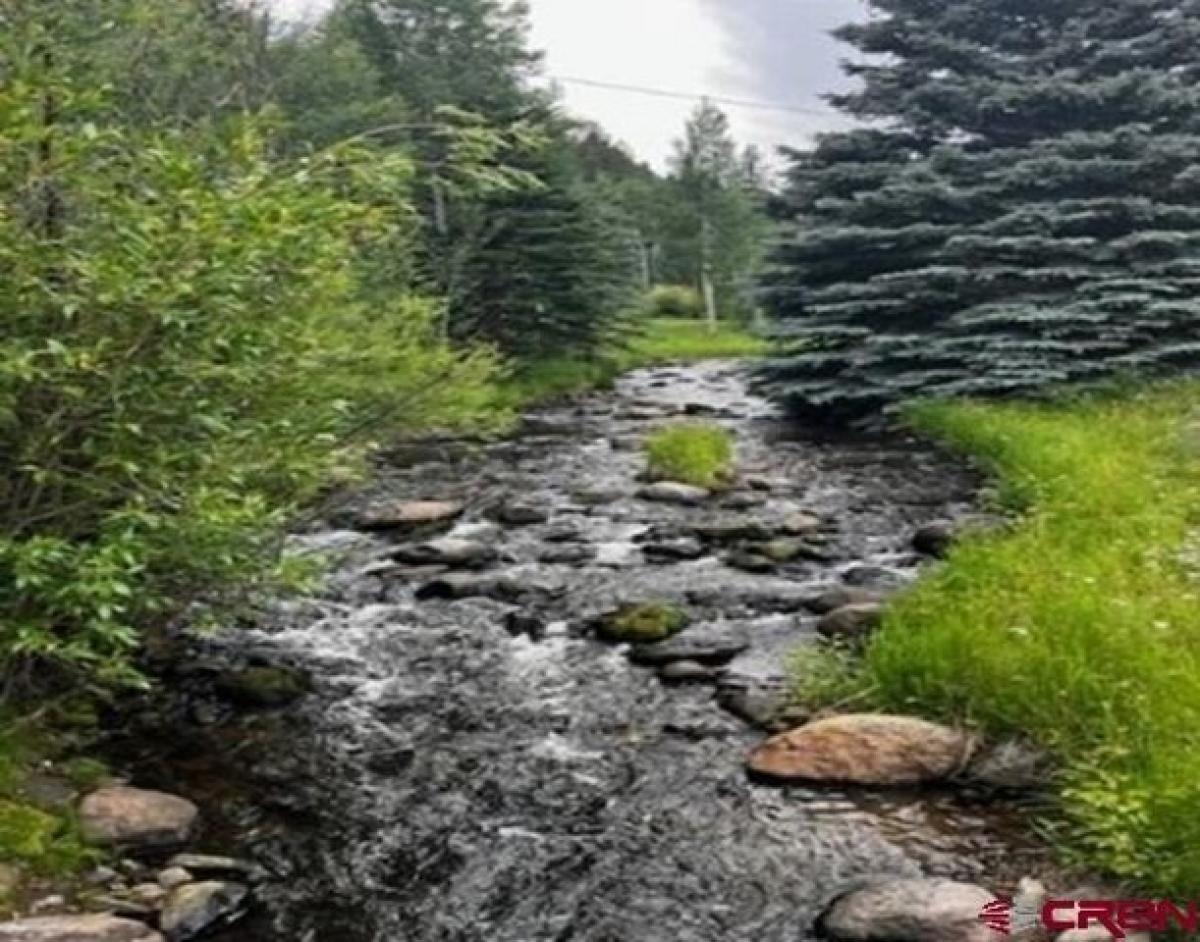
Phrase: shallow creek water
pixel 449 781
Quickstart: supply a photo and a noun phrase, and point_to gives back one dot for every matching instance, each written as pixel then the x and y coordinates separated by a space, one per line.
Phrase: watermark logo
pixel 1119 918
pixel 997 915
pixel 1006 917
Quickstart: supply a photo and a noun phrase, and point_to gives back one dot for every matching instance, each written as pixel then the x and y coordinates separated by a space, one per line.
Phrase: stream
pixel 458 775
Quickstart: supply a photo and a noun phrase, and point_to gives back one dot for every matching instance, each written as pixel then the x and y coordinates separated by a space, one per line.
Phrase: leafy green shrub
pixel 824 675
pixel 698 453
pixel 184 358
pixel 679 301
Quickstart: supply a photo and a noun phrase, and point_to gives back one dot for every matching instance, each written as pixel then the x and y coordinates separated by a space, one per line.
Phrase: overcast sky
pixel 772 51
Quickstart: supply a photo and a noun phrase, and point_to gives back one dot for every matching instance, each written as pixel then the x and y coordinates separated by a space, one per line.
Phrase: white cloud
pixel 669 44
pixel 689 46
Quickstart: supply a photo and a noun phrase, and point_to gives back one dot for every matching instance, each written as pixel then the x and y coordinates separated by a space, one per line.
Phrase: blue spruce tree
pixel 1020 210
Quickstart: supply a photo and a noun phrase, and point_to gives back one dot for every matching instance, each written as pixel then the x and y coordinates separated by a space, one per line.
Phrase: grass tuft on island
pixel 658 340
pixel 696 453
pixel 1080 625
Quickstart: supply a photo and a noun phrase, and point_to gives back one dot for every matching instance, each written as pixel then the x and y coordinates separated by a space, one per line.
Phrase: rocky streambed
pixel 435 745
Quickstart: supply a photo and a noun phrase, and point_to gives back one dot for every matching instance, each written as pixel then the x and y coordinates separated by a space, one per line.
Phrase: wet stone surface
pixel 482 768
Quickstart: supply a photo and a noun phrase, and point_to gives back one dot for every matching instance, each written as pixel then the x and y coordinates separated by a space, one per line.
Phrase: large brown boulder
pixel 863 749
pixel 100 928
pixel 136 818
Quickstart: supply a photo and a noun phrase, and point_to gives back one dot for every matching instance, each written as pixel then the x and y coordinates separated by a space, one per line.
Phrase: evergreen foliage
pixel 1022 212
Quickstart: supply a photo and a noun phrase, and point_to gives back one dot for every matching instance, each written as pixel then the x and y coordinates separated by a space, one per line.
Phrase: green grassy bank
pixel 659 340
pixel 1080 625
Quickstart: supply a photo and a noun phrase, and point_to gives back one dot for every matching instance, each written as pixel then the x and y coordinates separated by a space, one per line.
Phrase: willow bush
pixel 184 356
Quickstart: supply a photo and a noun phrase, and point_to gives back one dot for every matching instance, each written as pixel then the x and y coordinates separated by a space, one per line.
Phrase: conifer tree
pixel 1022 209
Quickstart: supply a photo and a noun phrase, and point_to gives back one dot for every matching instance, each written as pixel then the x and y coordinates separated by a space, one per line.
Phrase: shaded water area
pixel 449 780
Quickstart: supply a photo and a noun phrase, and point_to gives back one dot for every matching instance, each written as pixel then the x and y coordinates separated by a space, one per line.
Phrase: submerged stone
pixel 194 908
pixel 851 622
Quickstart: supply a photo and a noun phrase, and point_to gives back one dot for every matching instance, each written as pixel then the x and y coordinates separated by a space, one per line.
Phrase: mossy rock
pixel 642 623
pixel 263 686
pixel 26 833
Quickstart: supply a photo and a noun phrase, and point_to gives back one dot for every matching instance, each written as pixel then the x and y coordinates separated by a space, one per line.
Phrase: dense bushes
pixel 674 301
pixel 184 356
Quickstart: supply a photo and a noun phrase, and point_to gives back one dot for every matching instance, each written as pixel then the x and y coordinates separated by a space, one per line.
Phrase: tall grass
pixel 1080 626
pixel 697 453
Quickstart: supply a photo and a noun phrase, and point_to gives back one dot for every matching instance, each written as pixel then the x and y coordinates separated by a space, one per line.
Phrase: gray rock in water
pixel 463 586
pixel 935 539
pixel 743 500
pixel 475 585
pixel 877 577
pixel 98 928
pixel 909 910
pixel 1013 765
pixel 197 907
pixel 213 863
pixel 841 596
pixel 448 551
pixel 733 530
pixel 564 533
pixel 851 622
pixel 171 877
pixel 598 496
pixel 687 672
pixel 520 624
pixel 776 599
pixel 570 555
pixel 750 562
pixel 676 550
pixel 711 645
pixel 136 818
pixel 522 515
pixel 801 524
pixel 669 492
pixel 765 705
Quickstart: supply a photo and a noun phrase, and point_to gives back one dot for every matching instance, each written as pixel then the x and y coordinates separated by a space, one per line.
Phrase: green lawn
pixel 661 340
pixel 1079 626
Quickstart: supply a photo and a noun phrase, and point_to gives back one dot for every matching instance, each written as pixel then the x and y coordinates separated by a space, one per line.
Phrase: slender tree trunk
pixel 706 284
pixel 644 259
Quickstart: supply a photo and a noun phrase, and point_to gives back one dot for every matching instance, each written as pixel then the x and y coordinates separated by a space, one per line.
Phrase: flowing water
pixel 448 780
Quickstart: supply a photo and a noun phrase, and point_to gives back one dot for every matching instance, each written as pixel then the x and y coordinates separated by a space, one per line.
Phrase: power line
pixel 689 96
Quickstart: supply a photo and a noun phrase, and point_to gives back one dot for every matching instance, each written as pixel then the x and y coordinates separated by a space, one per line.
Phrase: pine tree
pixel 1023 209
